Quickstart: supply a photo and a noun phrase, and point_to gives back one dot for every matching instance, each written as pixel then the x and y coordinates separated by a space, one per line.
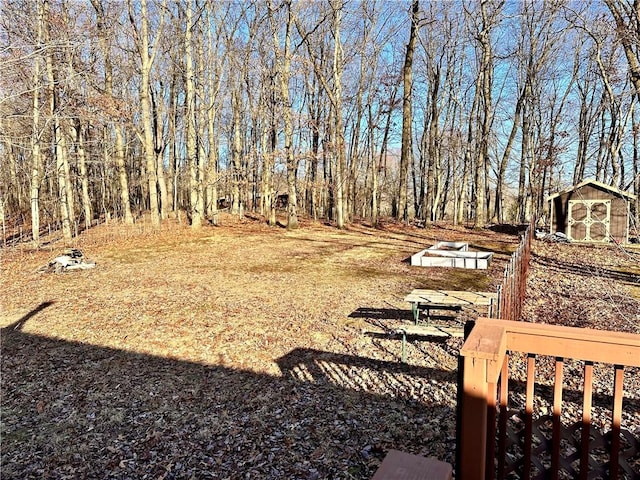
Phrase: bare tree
pixel 406 152
pixel 104 35
pixel 626 14
pixel 147 49
pixel 36 162
pixel 214 80
pixel 613 99
pixel 334 94
pixel 489 18
pixel 65 192
pixel 500 102
pixel 195 182
pixel 283 67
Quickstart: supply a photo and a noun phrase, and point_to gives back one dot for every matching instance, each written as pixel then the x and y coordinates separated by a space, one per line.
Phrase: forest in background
pixel 466 111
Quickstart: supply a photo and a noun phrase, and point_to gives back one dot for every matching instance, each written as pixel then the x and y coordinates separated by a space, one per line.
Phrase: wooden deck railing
pixel 511 291
pixel 506 434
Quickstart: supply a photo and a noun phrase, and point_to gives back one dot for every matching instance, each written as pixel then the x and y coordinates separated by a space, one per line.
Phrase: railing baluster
pixel 586 420
pixel 516 287
pixel 502 428
pixel 512 298
pixel 528 418
pixel 485 358
pixel 490 466
pixel 557 407
pixel 616 420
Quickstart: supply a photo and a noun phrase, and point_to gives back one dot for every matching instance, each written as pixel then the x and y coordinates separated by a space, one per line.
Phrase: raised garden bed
pixel 452 255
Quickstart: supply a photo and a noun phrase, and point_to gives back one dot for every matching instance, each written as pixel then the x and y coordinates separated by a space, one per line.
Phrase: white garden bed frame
pixel 452 255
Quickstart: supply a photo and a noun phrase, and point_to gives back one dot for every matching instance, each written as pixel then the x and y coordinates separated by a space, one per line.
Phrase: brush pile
pixel 72 259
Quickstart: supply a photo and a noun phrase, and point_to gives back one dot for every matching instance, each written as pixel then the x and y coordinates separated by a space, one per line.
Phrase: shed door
pixel 589 220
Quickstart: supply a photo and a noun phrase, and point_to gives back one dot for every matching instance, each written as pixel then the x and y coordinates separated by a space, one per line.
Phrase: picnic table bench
pixel 421 332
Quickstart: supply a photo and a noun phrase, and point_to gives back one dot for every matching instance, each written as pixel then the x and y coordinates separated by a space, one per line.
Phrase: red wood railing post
pixel 483 356
pixel 474 420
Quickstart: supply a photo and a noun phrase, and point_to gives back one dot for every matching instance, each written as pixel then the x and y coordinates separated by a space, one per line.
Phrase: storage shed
pixel 591 212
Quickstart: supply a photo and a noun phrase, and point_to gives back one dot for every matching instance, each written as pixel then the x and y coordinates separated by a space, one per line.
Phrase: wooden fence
pixel 511 291
pixel 509 434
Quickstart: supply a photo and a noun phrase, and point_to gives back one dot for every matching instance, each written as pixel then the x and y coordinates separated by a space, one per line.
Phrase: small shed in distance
pixel 591 212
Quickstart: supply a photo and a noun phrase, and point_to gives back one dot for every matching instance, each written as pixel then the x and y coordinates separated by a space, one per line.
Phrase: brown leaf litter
pixel 245 351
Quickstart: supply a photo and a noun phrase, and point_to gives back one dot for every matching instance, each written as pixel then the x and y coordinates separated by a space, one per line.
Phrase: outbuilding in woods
pixel 591 212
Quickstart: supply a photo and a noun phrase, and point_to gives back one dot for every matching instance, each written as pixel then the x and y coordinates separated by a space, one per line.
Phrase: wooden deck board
pixel 405 466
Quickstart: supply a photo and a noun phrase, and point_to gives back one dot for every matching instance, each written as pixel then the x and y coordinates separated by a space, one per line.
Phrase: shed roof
pixel 604 186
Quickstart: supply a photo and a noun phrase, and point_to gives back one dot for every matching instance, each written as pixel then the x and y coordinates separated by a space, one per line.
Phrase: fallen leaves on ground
pixel 234 352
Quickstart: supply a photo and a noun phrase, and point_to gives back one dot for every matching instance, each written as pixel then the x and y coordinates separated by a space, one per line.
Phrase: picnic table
pixel 429 300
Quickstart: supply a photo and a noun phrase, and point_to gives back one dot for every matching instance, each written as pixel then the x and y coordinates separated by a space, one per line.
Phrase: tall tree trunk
pixel 213 83
pixel 283 65
pixel 316 113
pixel 36 159
pixel 123 178
pixel 157 108
pixel 406 149
pixel 148 146
pixel 59 143
pixel 381 163
pixel 525 157
pixel 201 109
pixel 587 122
pixel 434 152
pixel 119 154
pixel 341 216
pixel 464 203
pixel 498 213
pixel 191 133
pixel 268 142
pixel 486 85
pixel 373 166
pixel 236 151
pixel 78 132
pixel 355 156
pixel 146 62
pixel 628 30
pixel 636 168
pixel 172 154
pixel 334 176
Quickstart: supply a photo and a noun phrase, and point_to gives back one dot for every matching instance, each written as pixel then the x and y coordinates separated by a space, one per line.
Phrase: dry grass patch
pixel 233 352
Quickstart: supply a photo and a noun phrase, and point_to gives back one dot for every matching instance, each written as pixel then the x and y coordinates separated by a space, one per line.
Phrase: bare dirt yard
pixel 244 351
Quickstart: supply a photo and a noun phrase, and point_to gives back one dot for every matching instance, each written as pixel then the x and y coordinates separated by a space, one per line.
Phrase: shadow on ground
pixel 72 410
pixel 382 313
